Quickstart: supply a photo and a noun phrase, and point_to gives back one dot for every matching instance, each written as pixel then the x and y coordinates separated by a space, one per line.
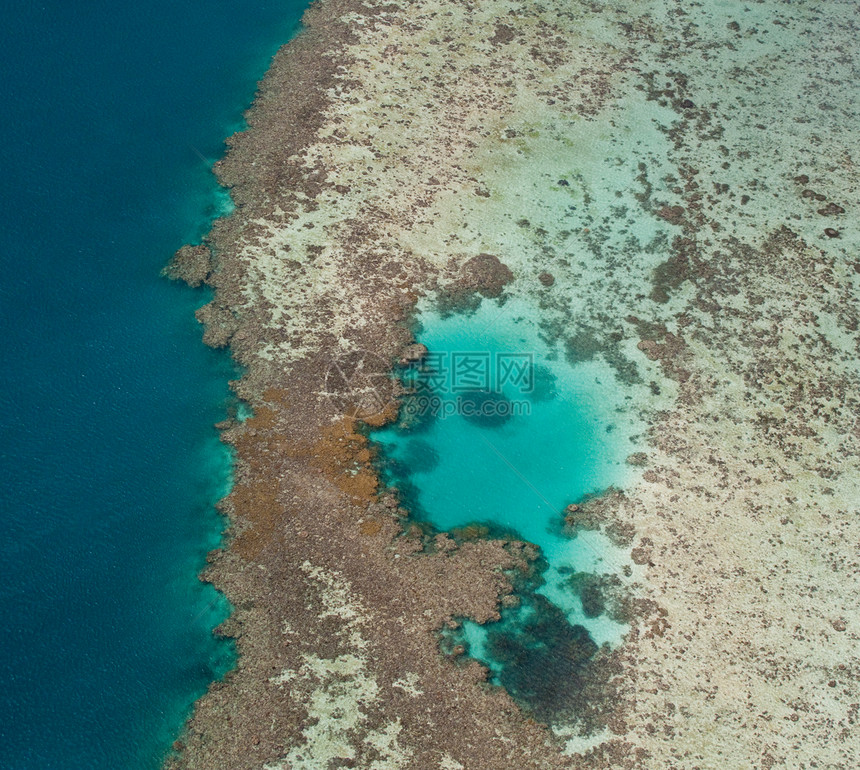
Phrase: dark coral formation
pixel 191 264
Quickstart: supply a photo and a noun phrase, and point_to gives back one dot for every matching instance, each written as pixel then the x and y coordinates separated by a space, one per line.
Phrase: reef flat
pixel 673 186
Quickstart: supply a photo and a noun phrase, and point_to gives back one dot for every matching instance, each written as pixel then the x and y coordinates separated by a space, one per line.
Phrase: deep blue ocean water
pixel 110 464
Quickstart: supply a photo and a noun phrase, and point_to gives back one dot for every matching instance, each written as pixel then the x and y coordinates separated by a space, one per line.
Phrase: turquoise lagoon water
pixel 112 114
pixel 503 430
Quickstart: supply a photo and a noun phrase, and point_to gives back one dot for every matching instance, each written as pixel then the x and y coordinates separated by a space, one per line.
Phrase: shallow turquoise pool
pixel 502 429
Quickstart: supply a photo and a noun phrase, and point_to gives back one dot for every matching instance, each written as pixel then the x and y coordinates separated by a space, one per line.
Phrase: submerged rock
pixel 191 264
pixel 503 34
pixel 831 209
pixel 592 598
pixel 486 408
pixel 584 345
pixel 413 353
pixel 486 274
pixel 219 323
pixel 544 661
pixel 674 215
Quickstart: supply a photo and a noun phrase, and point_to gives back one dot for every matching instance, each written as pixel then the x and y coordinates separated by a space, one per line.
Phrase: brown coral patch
pixel 370 527
pixel 603 511
pixel 674 215
pixel 503 34
pixel 486 274
pixel 191 264
pixel 261 512
pixel 387 414
pixel 255 492
pixel 343 456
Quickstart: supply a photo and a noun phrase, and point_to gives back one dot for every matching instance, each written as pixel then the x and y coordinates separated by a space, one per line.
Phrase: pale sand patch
pixel 345 687
pixel 409 684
